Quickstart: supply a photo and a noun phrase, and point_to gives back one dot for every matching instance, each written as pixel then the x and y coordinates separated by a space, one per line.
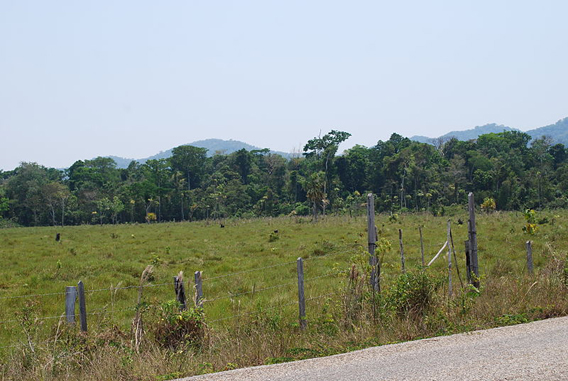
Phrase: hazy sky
pixel 80 79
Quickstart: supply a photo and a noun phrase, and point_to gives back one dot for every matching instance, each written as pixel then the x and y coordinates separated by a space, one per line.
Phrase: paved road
pixel 533 351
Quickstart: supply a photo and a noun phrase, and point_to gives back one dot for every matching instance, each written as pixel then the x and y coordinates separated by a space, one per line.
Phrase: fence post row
pixel 473 240
pixel 72 292
pixel 301 298
pixel 198 290
pixel 372 239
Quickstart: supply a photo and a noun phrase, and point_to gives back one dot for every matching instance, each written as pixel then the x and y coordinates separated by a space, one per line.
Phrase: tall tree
pixel 323 150
pixel 315 191
pixel 189 160
pixel 56 195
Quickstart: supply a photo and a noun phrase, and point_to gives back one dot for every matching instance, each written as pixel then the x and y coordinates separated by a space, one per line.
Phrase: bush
pixel 488 205
pixel 413 294
pixel 531 225
pixel 173 328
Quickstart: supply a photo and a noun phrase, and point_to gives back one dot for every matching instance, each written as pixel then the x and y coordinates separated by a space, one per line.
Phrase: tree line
pixel 508 170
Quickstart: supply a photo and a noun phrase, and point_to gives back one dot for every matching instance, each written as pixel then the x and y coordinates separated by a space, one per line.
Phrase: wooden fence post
pixel 301 298
pixel 180 291
pixel 467 261
pixel 449 235
pixel 372 239
pixel 401 251
pixel 529 258
pixel 82 306
pixel 421 245
pixel 473 240
pixel 198 290
pixel 70 297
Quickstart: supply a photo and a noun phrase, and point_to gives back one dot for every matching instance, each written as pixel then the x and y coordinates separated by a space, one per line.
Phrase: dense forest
pixel 506 170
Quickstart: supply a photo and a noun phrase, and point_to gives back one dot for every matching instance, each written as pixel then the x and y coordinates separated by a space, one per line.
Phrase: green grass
pixel 249 272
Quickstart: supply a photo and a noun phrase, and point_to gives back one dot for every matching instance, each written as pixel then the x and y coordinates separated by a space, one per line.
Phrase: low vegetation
pixel 250 312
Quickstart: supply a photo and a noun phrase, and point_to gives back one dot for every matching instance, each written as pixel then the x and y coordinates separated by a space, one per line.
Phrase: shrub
pixel 173 328
pixel 531 225
pixel 488 205
pixel 413 294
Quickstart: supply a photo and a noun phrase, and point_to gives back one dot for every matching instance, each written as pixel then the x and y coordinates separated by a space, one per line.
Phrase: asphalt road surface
pixel 533 351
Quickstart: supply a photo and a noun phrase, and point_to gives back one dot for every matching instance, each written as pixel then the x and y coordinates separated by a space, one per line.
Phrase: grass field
pixel 249 284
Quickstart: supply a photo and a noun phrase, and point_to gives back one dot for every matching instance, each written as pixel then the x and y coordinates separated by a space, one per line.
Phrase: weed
pixel 531 226
pixel 488 205
pixel 511 319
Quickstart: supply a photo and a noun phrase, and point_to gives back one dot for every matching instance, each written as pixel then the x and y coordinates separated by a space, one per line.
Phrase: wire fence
pixel 219 289
pixel 284 289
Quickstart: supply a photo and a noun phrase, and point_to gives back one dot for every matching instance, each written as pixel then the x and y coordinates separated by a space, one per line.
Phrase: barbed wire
pixel 271 308
pixel 321 296
pixel 100 311
pixel 86 291
pixel 129 287
pixel 318 277
pixel 31 295
pixel 250 292
pixel 265 288
pixel 326 256
pixel 252 312
pixel 248 271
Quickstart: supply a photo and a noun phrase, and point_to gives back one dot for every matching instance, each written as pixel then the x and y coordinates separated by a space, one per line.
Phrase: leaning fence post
pixel 70 297
pixel 301 298
pixel 401 250
pixel 180 291
pixel 198 290
pixel 82 306
pixel 372 239
pixel 529 258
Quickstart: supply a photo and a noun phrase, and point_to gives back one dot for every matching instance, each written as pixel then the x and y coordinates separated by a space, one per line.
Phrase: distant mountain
pixel 465 135
pixel 558 132
pixel 213 146
pixel 121 162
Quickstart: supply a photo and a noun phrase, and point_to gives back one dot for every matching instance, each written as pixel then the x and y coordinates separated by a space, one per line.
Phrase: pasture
pixel 249 284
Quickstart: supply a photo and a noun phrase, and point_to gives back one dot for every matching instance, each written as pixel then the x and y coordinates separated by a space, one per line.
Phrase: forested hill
pixel 505 170
pixel 473 133
pixel 558 132
pixel 213 146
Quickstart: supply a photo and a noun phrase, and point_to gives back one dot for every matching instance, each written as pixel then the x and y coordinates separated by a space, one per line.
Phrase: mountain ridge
pixel 557 131
pixel 213 147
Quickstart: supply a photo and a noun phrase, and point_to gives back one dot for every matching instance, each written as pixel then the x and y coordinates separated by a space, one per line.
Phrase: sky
pixel 81 79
